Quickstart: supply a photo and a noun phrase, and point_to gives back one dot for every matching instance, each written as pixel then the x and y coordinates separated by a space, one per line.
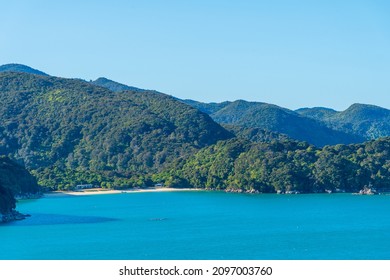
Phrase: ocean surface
pixel 200 225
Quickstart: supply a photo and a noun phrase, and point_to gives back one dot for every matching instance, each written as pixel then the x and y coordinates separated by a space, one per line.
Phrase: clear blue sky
pixel 291 53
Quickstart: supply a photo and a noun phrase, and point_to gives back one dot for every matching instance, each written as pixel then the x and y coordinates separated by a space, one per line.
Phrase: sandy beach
pixel 108 191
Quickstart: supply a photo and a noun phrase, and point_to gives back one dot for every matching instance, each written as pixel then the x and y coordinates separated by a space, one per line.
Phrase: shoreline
pixel 99 191
pixel 103 191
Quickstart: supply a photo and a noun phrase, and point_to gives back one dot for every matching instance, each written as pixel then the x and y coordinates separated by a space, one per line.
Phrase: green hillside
pixel 20 68
pixel 208 108
pixel 255 134
pixel 319 126
pixel 317 113
pixel 14 180
pixel 68 132
pixel 367 121
pixel 277 119
pixel 114 86
pixel 286 166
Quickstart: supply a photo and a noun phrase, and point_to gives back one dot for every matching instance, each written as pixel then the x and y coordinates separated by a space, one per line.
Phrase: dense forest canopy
pixel 318 126
pixel 114 86
pixel 286 166
pixel 20 68
pixel 367 121
pixel 69 131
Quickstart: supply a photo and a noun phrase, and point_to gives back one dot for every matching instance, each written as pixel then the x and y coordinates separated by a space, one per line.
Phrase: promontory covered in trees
pixel 15 180
pixel 67 132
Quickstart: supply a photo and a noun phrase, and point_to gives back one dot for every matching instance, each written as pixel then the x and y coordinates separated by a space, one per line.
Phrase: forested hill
pixel 20 68
pixel 68 132
pixel 255 134
pixel 319 126
pixel 367 121
pixel 286 166
pixel 277 119
pixel 114 86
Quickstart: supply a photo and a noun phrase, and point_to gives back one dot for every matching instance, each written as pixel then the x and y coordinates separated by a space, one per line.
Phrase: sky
pixel 291 53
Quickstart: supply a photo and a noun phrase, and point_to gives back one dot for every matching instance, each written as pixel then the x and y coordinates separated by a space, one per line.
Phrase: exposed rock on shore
pixel 232 190
pixel 367 191
pixel 12 216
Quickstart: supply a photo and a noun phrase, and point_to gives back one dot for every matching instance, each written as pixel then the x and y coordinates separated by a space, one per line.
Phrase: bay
pixel 196 225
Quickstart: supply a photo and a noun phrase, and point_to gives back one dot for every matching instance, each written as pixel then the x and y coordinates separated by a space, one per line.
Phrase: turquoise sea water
pixel 200 225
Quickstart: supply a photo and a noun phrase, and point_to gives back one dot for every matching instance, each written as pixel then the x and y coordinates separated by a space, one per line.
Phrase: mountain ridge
pixel 278 119
pixel 21 68
pixel 114 86
pixel 318 125
pixel 368 121
pixel 68 131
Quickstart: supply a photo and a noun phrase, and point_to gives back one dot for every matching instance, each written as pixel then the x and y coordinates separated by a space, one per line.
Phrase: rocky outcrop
pixel 15 183
pixel 13 215
pixel 367 191
pixel 232 190
pixel 28 196
pixel 7 201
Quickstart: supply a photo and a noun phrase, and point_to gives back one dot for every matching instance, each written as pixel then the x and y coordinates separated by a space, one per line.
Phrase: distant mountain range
pixel 367 121
pixel 277 119
pixel 70 131
pixel 319 126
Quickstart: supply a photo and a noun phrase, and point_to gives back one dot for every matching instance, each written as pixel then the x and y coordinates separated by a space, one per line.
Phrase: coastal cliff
pixel 7 204
pixel 7 207
pixel 15 180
